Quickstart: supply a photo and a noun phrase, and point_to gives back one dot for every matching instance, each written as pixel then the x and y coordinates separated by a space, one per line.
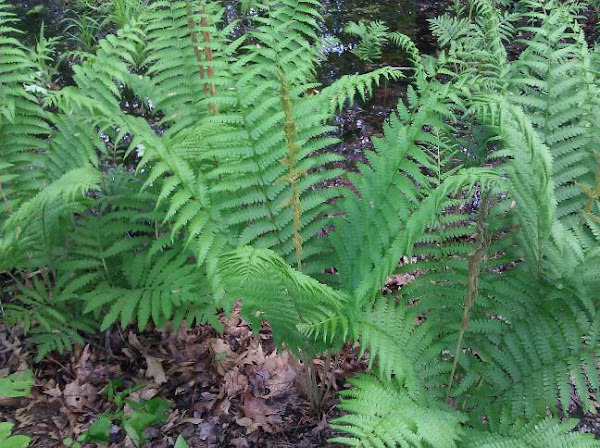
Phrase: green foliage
pixel 142 415
pixel 557 89
pixel 283 296
pixel 373 37
pixel 9 441
pixel 475 38
pixel 83 31
pixel 383 415
pixel 181 443
pixel 165 287
pixel 58 323
pixel 482 194
pixel 22 121
pixel 543 433
pixel 16 385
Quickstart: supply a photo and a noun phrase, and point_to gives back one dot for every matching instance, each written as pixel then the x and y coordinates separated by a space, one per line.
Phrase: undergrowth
pixel 487 179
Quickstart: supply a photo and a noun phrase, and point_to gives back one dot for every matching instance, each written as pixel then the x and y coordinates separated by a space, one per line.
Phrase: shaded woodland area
pixel 293 223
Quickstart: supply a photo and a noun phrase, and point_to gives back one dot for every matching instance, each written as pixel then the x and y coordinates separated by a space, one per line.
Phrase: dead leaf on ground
pixel 52 389
pixel 235 382
pixel 257 414
pixel 225 358
pixel 79 396
pixel 155 370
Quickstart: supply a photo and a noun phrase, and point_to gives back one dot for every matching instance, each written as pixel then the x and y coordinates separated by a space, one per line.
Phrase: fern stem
pixel 210 70
pixel 593 194
pixel 209 89
pixel 475 259
pixel 290 160
pixel 194 37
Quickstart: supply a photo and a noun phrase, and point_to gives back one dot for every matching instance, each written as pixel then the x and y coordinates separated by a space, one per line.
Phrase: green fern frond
pixel 546 433
pixel 529 173
pixel 47 314
pixel 406 44
pixel 554 85
pixel 162 288
pixel 23 124
pixel 532 363
pixel 396 163
pixel 71 187
pixel 271 290
pixel 348 87
pixel 383 414
pixel 123 223
pixel 187 59
pixel 475 43
pixel 400 345
pixel 373 36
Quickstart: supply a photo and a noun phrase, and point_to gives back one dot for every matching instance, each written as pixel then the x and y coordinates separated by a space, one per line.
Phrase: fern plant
pixel 373 37
pixel 461 332
pixel 557 88
pixel 485 180
pixel 236 117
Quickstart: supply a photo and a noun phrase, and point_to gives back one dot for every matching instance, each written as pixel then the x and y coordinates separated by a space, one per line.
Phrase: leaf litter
pixel 230 389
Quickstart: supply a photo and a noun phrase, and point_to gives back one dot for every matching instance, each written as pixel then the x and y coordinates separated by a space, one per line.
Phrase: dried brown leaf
pixel 155 370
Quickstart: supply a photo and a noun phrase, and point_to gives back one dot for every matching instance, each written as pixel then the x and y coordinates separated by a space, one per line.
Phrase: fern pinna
pixel 485 182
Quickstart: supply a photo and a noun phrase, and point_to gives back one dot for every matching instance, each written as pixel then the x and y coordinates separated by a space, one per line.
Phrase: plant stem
pixel 475 260
pixel 290 161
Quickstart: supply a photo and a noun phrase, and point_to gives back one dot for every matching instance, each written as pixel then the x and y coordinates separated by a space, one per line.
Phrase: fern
pixel 22 121
pixel 122 224
pixel 373 37
pixel 279 294
pixel 46 312
pixel 475 38
pixel 391 193
pixel 485 184
pixel 349 86
pixel 165 287
pixel 383 415
pixel 554 87
pixel 543 433
pixel 185 55
pixel 399 343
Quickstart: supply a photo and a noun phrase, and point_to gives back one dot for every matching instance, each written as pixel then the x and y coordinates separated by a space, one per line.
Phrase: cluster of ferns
pixel 222 188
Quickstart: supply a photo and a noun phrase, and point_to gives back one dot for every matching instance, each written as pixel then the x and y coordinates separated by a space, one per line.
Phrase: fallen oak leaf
pixel 77 396
pixel 155 370
pixel 257 414
pixel 235 382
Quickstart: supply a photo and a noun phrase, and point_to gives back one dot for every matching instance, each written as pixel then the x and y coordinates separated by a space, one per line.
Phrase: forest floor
pixel 229 389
